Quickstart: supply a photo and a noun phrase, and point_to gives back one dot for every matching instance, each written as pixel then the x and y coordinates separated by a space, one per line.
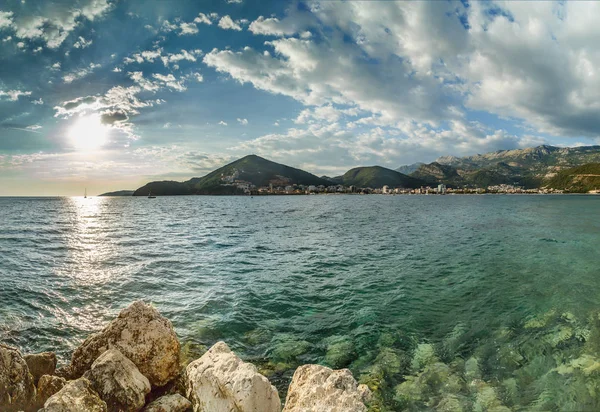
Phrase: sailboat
pixel 150 195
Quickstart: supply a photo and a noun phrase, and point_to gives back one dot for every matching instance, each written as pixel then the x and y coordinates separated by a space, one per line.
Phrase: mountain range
pixel 530 168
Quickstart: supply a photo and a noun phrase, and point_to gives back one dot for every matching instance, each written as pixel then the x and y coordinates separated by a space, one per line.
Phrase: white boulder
pixel 118 382
pixel 221 382
pixel 169 403
pixel 75 396
pixel 316 388
pixel 142 335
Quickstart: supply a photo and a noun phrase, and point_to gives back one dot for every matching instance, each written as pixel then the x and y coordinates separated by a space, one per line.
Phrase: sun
pixel 88 133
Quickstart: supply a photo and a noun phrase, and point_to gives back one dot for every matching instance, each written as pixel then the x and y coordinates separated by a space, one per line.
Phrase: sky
pixel 111 94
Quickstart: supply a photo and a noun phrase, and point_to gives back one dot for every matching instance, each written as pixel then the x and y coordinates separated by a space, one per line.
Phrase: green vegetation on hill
pixel 435 173
pixel 251 169
pixel 377 176
pixel 580 179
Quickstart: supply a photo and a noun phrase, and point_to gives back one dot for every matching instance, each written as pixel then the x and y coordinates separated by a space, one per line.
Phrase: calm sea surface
pixel 338 280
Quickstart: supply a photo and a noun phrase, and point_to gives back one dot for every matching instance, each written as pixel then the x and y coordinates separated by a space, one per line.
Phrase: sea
pixel 497 294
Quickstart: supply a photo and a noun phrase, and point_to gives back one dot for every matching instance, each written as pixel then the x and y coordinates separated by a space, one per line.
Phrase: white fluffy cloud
pixel 227 23
pixel 6 19
pixel 54 22
pixel 13 95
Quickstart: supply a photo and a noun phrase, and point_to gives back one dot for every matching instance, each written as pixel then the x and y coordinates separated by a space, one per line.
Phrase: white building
pixel 441 189
pixel 385 190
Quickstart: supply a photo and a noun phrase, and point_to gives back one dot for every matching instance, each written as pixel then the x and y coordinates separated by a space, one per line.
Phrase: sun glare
pixel 88 133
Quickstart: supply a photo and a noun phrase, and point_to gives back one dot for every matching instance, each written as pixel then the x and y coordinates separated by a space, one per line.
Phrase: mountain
pixel 529 167
pixel 377 176
pixel 435 173
pixel 408 169
pixel 580 179
pixel 119 193
pixel 230 179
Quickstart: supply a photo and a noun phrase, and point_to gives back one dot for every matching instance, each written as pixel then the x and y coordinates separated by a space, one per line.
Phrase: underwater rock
pixel 41 364
pixel 450 403
pixel 46 387
pixel 75 396
pixel 486 398
pixel 287 348
pixel 169 403
pixel 142 335
pixel 318 388
pixel 221 382
pixel 472 370
pixel 340 351
pixel 17 389
pixel 118 382
pixel 424 355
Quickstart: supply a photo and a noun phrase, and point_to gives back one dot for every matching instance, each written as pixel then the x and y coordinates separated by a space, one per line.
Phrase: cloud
pixel 81 73
pixel 38 101
pixel 243 122
pixel 13 95
pixel 222 123
pixel 203 18
pixel 82 43
pixel 228 24
pixel 54 22
pixel 272 26
pixel 34 127
pixel 188 29
pixel 6 19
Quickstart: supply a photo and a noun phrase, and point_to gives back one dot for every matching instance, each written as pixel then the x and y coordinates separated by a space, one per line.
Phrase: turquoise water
pixel 493 292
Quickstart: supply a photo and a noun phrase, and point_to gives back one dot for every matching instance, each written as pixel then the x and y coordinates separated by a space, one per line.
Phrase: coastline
pixel 136 363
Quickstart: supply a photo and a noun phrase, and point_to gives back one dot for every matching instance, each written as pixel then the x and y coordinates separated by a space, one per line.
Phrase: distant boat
pixel 150 195
pixel 85 193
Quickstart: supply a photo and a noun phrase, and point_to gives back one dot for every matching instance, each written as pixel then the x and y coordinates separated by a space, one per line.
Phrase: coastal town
pixel 280 188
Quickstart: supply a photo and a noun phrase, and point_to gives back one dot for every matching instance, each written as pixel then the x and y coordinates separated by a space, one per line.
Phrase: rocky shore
pixel 135 364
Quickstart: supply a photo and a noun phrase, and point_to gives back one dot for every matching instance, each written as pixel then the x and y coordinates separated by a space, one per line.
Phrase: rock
pixel 142 335
pixel 169 403
pixel 41 364
pixel 48 386
pixel 17 389
pixel 76 396
pixel 316 388
pixel 221 382
pixel 118 382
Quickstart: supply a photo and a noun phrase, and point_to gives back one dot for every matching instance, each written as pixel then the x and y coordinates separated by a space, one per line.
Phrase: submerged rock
pixel 46 387
pixel 142 335
pixel 76 396
pixel 41 364
pixel 316 388
pixel 169 403
pixel 221 382
pixel 118 382
pixel 17 389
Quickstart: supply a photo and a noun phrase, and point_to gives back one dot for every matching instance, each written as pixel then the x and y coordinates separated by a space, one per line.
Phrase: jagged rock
pixel 118 382
pixel 221 382
pixel 76 396
pixel 169 403
pixel 316 388
pixel 142 335
pixel 41 364
pixel 17 389
pixel 46 387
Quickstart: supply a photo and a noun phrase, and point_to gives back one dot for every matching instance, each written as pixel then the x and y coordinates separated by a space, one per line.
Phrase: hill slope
pixel 227 179
pixel 119 193
pixel 580 179
pixel 377 176
pixel 435 173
